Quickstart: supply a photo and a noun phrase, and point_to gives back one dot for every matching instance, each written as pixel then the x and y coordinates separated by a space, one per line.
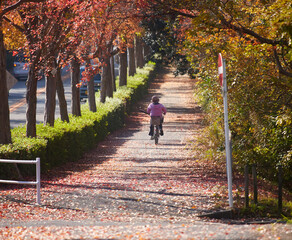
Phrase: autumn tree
pixel 35 33
pixel 252 20
pixel 42 30
pixel 6 8
pixel 128 58
pixel 46 26
pixel 113 23
pixel 52 56
pixel 96 38
pixel 77 51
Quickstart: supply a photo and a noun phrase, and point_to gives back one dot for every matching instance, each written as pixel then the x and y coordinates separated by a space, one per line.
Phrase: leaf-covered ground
pixel 130 188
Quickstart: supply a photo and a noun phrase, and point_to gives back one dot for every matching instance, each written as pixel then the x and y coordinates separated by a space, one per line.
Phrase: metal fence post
pixel 38 180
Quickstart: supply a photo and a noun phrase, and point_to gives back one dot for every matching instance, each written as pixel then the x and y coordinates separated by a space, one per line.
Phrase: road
pixel 17 101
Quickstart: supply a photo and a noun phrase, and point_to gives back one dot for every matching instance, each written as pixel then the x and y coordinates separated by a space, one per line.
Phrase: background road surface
pixel 17 101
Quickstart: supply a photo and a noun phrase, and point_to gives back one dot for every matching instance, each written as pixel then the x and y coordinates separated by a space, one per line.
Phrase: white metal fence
pixel 37 162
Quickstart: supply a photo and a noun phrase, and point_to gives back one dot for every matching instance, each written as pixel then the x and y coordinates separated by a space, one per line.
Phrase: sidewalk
pixel 130 188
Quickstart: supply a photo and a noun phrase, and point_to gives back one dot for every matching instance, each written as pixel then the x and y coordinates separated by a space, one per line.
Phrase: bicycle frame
pixel 156 121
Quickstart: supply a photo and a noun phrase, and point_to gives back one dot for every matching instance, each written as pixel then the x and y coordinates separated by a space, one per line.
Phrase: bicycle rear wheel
pixel 156 134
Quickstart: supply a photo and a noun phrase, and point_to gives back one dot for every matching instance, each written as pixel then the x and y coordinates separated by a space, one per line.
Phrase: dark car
pixel 83 88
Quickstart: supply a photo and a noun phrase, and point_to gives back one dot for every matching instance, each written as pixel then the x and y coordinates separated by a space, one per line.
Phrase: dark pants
pixel 151 132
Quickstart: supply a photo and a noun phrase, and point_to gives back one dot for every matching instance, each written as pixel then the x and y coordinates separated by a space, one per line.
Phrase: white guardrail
pixel 37 162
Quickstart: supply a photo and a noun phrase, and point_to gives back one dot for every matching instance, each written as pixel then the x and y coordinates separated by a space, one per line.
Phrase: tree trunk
pixel 103 87
pixel 91 92
pixel 123 68
pixel 132 63
pixel 5 134
pixel 61 96
pixel 108 72
pixel 106 81
pixel 31 101
pixel 147 52
pixel 50 104
pixel 113 73
pixel 139 53
pixel 75 79
pixel 106 89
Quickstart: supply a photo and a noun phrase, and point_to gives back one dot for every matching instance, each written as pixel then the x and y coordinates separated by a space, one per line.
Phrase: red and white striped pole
pixel 223 83
pixel 220 69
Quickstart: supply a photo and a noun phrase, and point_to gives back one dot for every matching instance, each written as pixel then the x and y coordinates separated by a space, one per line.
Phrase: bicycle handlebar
pixel 140 110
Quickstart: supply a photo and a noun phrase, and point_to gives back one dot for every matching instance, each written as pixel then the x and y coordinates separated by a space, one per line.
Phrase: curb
pixel 225 214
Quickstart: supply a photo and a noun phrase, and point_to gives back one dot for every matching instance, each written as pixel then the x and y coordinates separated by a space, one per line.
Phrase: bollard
pixel 246 185
pixel 255 184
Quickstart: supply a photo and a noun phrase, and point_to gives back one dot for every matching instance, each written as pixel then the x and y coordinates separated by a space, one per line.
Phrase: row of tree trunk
pixel 129 59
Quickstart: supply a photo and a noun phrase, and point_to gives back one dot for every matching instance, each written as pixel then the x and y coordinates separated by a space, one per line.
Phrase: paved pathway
pixel 130 188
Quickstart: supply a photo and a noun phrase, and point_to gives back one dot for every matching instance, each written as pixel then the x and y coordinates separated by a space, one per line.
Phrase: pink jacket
pixel 156 109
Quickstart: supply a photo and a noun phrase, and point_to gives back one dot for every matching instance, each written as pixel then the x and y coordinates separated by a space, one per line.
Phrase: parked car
pixel 83 88
pixel 20 67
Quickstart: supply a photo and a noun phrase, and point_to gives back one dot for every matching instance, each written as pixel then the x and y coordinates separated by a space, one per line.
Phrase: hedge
pixel 66 142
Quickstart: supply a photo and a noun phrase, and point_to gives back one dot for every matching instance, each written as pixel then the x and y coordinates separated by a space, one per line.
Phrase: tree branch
pixel 245 30
pixel 14 25
pixel 16 5
pixel 172 10
pixel 281 69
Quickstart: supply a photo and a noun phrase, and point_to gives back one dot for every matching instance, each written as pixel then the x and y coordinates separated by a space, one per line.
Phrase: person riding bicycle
pixel 156 109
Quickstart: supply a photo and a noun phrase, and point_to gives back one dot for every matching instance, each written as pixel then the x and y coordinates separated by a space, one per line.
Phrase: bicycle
pixel 156 121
